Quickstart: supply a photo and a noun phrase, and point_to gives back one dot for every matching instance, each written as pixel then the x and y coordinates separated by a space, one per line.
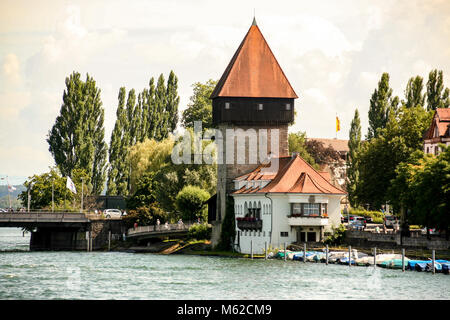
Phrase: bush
pixel 190 201
pixel 200 232
pixel 377 216
pixel 337 237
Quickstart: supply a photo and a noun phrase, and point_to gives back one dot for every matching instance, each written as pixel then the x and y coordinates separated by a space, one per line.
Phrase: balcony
pixel 249 223
pixel 308 220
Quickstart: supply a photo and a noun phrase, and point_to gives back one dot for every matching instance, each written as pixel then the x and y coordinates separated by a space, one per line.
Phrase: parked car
pixel 389 221
pixel 357 225
pixel 362 219
pixel 112 213
pixel 344 218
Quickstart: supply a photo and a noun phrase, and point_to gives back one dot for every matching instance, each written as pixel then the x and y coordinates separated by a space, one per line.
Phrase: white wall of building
pixel 280 211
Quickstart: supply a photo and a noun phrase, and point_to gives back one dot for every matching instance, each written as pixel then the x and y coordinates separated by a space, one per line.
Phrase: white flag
pixel 11 188
pixel 70 185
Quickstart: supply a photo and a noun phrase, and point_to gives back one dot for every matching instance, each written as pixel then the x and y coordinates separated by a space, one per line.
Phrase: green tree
pixel 380 156
pixel 190 201
pixel 200 106
pixel 228 232
pixel 435 85
pixel 117 182
pixel 76 140
pixel 145 192
pixel 172 100
pixel 297 143
pixel 354 145
pixel 160 116
pixel 382 103
pixel 144 216
pixel 413 93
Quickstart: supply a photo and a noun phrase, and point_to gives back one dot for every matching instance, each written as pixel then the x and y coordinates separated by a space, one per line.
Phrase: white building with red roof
pixel 294 204
pixel 439 131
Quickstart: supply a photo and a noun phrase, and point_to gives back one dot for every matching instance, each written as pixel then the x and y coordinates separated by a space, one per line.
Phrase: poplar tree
pixel 435 85
pixel 151 117
pixel 354 145
pixel 76 140
pixel 159 116
pixel 117 151
pixel 172 100
pixel 382 103
pixel 413 93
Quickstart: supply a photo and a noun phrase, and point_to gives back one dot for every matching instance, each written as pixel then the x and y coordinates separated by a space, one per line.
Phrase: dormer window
pixel 288 106
pixel 260 106
pixel 227 105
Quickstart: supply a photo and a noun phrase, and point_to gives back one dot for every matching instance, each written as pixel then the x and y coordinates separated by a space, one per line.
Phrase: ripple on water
pixel 119 275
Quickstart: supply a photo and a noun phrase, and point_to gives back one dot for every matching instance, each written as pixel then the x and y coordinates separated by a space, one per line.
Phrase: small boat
pixel 421 266
pixel 412 264
pixel 393 264
pixel 344 260
pixel 446 268
pixel 386 257
pixel 309 255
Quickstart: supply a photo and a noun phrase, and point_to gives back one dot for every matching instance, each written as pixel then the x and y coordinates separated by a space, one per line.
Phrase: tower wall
pixel 226 173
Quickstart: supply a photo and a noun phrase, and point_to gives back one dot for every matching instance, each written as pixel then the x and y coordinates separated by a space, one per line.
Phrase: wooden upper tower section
pixel 253 89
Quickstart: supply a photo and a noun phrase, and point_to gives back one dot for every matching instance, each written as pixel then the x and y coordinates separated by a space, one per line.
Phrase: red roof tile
pixel 254 71
pixel 295 175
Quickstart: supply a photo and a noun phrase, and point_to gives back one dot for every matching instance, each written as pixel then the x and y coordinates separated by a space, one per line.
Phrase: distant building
pixel 439 131
pixel 336 168
pixel 341 146
pixel 294 204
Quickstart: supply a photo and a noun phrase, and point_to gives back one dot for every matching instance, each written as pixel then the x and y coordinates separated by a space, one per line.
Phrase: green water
pixel 117 275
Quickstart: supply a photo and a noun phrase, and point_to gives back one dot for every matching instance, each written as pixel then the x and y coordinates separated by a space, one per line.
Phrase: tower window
pixel 288 106
pixel 227 105
pixel 260 106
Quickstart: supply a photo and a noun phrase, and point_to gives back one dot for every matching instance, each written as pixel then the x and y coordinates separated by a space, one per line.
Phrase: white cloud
pixel 11 69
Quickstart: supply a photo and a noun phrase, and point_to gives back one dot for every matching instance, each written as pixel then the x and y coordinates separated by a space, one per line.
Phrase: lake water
pixel 117 275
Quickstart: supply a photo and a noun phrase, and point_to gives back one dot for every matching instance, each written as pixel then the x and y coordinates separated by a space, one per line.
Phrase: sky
pixel 332 52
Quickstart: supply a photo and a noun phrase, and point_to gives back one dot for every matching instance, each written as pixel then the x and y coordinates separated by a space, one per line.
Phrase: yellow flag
pixel 338 126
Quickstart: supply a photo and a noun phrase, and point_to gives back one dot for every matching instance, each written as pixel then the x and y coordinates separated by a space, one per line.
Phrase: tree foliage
pixel 354 145
pixel 422 188
pixel 200 105
pixel 413 93
pixel 152 114
pixel 41 190
pixel 435 85
pixel 76 140
pixel 190 202
pixel 321 154
pixel 380 156
pixel 382 103
pixel 297 143
pixel 153 157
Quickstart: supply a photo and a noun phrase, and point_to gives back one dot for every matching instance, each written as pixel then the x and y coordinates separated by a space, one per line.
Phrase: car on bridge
pixel 113 213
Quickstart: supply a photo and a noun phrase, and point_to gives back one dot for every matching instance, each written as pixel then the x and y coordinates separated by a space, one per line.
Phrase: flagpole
pixel 336 125
pixel 53 195
pixel 82 187
pixel 9 196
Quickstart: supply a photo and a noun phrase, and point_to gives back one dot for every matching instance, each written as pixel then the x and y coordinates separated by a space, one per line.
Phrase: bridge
pixel 44 219
pixel 147 232
pixel 65 230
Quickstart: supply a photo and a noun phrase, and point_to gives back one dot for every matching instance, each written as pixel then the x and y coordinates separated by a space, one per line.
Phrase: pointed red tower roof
pixel 254 71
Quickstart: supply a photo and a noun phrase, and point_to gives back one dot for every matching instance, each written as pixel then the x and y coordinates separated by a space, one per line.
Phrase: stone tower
pixel 252 94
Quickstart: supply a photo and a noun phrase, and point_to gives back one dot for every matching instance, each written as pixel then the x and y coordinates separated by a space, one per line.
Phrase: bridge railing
pixel 43 216
pixel 159 229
